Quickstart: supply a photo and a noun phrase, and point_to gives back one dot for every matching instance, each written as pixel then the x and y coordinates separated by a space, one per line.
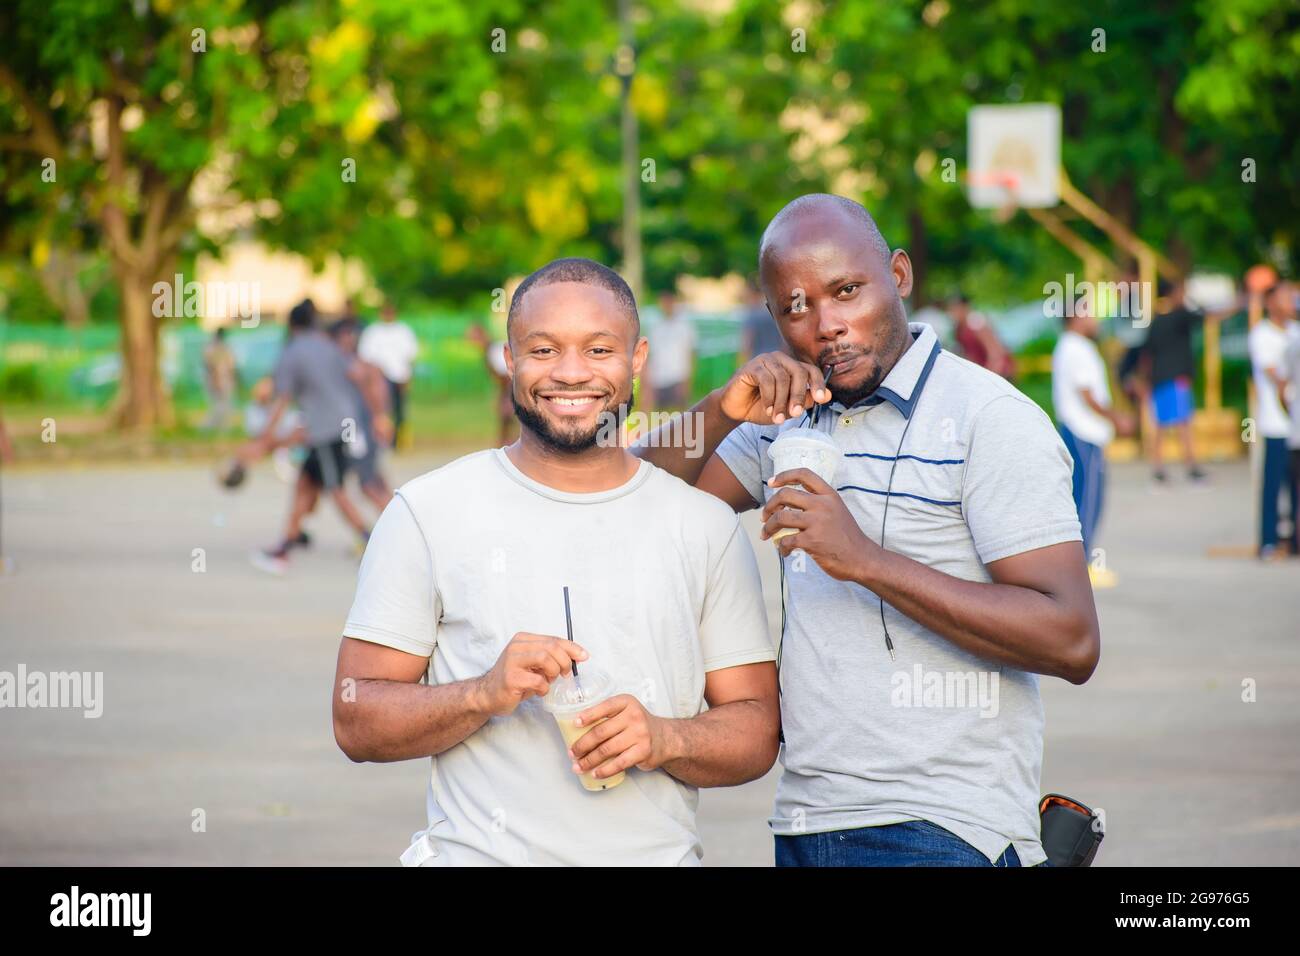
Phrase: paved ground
pixel 217 686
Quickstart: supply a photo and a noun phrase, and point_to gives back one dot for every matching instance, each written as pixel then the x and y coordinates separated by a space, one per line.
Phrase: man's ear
pixel 900 264
pixel 639 355
pixel 510 360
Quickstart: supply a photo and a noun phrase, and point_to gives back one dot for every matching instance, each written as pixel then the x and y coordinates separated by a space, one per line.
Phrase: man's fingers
pixel 562 654
pixel 606 708
pixel 627 750
pixel 817 384
pixel 791 497
pixel 799 398
pixel 524 684
pixel 785 518
pixel 782 397
pixel 788 544
pixel 801 476
pixel 585 749
pixel 766 382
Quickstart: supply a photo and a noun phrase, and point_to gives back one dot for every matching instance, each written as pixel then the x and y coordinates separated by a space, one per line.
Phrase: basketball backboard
pixel 1014 155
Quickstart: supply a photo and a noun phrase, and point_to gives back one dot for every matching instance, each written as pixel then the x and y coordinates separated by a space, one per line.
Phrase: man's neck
pixel 584 472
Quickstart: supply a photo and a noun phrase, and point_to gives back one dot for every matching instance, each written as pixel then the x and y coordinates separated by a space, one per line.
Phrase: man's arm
pixel 1036 615
pixel 1123 422
pixel 768 389
pixel 382 712
pixel 272 420
pixel 733 742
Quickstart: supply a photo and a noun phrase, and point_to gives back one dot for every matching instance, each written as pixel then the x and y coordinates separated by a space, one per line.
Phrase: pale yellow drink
pixel 569 697
pixel 571 732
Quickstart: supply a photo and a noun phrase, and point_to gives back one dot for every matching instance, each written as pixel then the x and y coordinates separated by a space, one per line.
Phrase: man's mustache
pixel 835 356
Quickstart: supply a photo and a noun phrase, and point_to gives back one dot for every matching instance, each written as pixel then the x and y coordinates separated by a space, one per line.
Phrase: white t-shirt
pixel 1268 345
pixel 663 587
pixel 672 346
pixel 1077 365
pixel 391 346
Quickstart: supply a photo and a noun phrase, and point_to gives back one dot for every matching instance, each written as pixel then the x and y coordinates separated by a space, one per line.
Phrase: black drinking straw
pixel 568 623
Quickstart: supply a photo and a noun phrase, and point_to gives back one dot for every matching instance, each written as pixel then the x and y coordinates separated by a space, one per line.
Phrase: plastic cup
pixel 804 448
pixel 569 697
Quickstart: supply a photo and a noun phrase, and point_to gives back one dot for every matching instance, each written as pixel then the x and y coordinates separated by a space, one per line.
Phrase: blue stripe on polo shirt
pixel 928 461
pixel 899 494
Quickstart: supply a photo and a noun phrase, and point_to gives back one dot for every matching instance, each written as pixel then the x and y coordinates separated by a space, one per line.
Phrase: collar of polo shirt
pixel 905 381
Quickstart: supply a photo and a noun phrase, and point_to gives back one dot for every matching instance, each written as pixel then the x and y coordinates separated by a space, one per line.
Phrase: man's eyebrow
pixel 837 282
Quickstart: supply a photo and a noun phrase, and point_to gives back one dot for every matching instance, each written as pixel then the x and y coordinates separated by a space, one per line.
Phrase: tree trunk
pixel 141 400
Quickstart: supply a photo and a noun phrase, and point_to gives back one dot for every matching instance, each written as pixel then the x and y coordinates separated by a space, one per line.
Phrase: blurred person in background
pixel 375 426
pixel 1134 377
pixel 314 374
pixel 492 343
pixel 221 377
pixel 672 356
pixel 1087 422
pixel 759 333
pixel 1172 372
pixel 390 345
pixel 1269 341
pixel 6 447
pixel 977 339
pixel 1292 402
pixel 278 445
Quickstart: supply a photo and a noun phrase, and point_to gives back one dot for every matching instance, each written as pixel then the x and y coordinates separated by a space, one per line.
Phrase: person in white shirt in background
pixel 672 356
pixel 392 346
pixel 1269 341
pixel 1087 422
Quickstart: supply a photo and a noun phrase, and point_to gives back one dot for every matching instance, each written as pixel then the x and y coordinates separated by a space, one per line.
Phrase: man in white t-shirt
pixel 672 359
pixel 463 583
pixel 1268 342
pixel 1087 422
pixel 391 346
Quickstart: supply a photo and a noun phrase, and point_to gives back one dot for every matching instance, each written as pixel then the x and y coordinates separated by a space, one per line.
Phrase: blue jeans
pixel 915 843
pixel 1277 477
pixel 1089 485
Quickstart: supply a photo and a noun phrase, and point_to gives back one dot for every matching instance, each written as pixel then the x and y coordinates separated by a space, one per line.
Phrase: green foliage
pixel 473 165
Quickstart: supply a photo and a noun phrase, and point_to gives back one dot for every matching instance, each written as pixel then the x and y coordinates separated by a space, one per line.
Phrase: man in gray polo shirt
pixel 912 729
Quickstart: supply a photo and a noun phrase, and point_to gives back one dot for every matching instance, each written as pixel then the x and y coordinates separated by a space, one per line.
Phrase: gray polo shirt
pixel 314 372
pixel 938 734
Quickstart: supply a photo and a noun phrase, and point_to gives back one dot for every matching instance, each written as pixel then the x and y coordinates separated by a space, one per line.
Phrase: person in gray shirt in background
pixel 758 333
pixel 911 719
pixel 315 375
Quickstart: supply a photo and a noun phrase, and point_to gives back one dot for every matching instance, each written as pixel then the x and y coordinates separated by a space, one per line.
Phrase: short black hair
pixel 810 202
pixel 585 271
pixel 303 315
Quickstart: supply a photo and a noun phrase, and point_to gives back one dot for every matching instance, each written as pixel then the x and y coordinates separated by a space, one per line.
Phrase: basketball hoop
pixel 1003 185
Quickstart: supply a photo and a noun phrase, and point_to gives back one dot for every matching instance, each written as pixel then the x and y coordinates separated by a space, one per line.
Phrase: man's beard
pixel 576 439
pixel 891 350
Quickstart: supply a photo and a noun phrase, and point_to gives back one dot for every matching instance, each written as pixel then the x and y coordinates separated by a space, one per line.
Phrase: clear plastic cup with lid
pixel 568 697
pixel 804 448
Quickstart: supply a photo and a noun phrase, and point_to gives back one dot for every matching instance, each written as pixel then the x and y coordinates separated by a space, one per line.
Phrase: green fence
pixel 58 364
